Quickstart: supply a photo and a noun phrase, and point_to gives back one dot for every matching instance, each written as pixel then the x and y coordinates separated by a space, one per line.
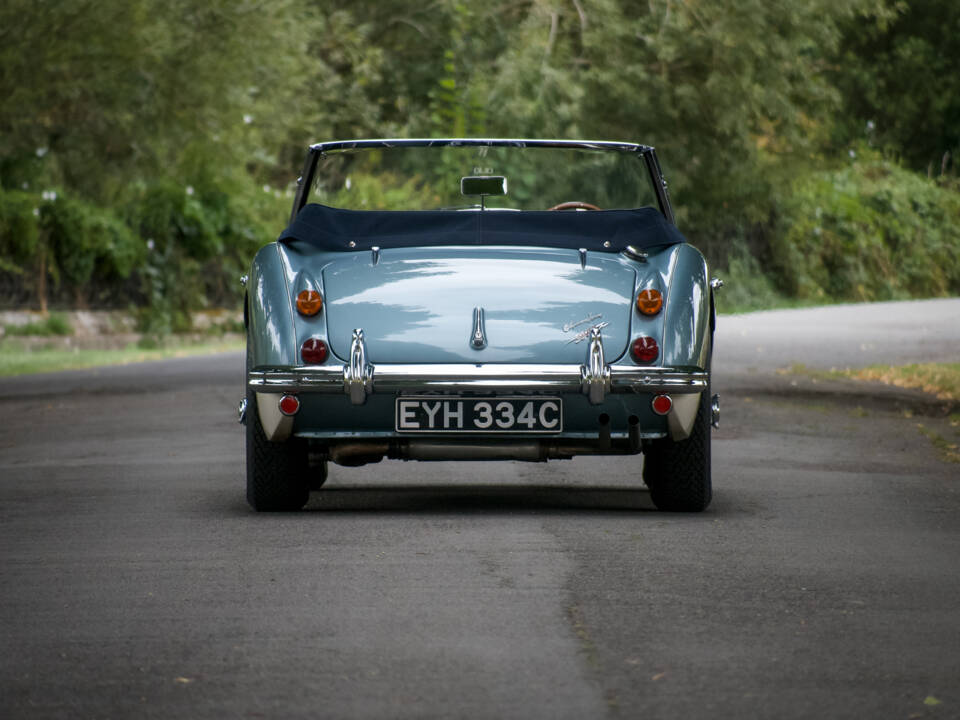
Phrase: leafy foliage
pixel 84 239
pixel 53 324
pixel 747 284
pixel 61 235
pixel 99 94
pixel 19 230
pixel 869 231
pixel 120 107
pixel 897 71
pixel 199 240
pixel 110 106
pixel 721 89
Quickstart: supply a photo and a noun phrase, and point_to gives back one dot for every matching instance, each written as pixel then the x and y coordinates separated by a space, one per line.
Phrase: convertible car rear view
pixel 479 299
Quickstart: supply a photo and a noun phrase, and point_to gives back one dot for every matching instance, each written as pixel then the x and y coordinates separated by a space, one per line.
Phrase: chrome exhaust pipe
pixel 351 454
pixel 354 454
pixel 425 450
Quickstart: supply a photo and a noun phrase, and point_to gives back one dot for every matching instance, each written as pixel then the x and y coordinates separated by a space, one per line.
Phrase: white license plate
pixel 479 415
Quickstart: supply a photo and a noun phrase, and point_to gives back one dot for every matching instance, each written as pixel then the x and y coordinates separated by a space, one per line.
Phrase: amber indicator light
pixel 644 349
pixel 313 351
pixel 649 301
pixel 309 302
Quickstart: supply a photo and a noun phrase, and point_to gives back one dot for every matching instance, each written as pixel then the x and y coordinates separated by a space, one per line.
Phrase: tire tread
pixel 277 472
pixel 677 472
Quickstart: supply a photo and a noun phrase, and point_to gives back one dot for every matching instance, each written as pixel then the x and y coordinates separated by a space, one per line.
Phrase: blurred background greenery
pixel 148 148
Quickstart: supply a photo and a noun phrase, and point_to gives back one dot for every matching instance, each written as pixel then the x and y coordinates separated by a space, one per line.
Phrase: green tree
pixel 898 69
pixel 733 94
pixel 184 122
pixel 100 93
pixel 111 102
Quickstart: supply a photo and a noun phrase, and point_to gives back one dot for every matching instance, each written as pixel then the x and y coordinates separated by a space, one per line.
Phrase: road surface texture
pixel 823 581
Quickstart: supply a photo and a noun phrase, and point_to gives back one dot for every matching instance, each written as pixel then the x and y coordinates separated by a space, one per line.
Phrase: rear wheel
pixel 278 473
pixel 678 471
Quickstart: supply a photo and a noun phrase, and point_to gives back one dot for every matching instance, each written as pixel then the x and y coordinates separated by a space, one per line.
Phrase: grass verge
pixel 16 359
pixel 942 380
pixel 939 379
pixel 949 451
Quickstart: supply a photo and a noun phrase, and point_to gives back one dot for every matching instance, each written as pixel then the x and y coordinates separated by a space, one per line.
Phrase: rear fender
pixel 686 332
pixel 271 334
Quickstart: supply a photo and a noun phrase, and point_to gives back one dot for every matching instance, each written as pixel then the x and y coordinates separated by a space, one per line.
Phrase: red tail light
pixel 662 404
pixel 313 351
pixel 644 349
pixel 289 404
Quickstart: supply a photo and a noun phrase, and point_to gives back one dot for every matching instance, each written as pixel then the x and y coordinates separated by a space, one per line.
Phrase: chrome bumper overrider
pixel 594 378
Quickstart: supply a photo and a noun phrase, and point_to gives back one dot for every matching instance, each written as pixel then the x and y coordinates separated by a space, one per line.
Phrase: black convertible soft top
pixel 606 230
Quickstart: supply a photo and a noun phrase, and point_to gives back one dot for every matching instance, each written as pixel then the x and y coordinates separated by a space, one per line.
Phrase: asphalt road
pixel 823 582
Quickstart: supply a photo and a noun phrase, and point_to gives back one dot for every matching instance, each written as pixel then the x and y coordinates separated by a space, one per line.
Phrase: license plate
pixel 479 415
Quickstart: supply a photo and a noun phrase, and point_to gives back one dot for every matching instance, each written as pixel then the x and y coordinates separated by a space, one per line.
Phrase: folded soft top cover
pixel 605 230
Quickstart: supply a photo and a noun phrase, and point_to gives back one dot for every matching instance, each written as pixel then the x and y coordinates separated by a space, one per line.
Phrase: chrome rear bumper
pixel 594 378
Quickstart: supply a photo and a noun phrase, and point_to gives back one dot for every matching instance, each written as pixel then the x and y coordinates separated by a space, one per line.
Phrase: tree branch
pixel 583 18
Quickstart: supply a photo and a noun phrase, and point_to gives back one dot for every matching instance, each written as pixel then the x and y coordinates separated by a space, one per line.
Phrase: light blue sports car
pixel 478 299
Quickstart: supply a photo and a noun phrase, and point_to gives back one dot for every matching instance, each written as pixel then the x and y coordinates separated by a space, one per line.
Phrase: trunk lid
pixel 417 305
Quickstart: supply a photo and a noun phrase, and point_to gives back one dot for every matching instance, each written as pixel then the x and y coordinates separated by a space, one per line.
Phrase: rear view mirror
pixel 483 185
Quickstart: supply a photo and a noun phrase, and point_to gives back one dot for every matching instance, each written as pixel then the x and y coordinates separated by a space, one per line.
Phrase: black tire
pixel 318 474
pixel 678 471
pixel 278 473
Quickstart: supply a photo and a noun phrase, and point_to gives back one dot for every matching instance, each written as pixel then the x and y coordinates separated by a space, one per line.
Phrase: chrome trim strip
pixel 478 142
pixel 656 380
pixel 638 255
